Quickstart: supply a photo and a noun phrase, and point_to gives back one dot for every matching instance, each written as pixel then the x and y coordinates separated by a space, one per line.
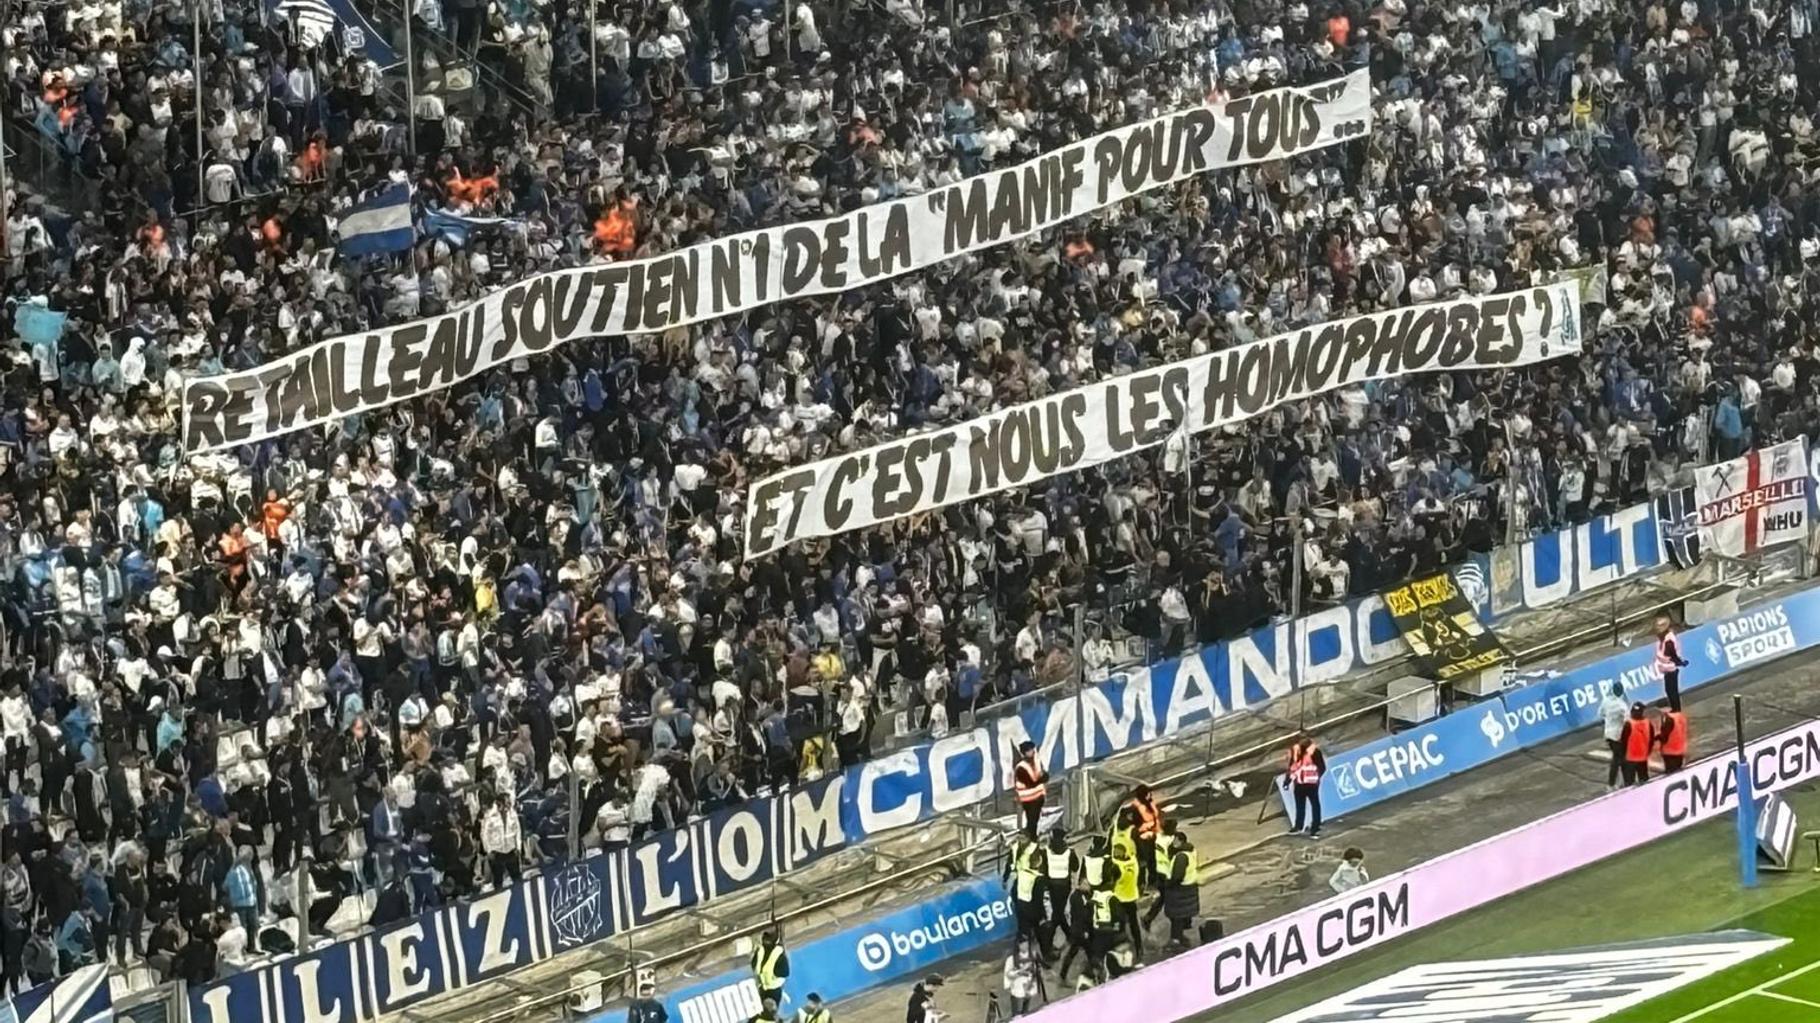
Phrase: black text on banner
pixel 356 372
pixel 1442 629
pixel 1097 423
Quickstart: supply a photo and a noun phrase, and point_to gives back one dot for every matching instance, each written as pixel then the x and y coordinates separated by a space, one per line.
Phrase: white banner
pixel 1099 422
pixel 1754 501
pixel 350 374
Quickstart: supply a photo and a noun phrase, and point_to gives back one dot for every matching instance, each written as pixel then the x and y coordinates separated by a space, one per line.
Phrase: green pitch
pixel 1682 885
pixel 1782 985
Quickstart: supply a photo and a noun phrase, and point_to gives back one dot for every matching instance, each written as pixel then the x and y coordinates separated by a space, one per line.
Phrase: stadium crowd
pixel 399 643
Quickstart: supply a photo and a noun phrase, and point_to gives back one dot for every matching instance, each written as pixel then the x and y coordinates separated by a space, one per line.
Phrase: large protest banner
pixel 349 374
pixel 1442 628
pixel 1096 423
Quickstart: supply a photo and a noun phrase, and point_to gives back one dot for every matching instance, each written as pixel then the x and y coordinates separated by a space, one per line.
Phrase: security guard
pixel 1080 930
pixel 1149 825
pixel 1123 831
pixel 1032 784
pixel 1165 846
pixel 1125 885
pixel 1674 740
pixel 1121 960
pixel 1306 765
pixel 813 1011
pixel 1639 736
pixel 1181 899
pixel 1105 930
pixel 1061 865
pixel 1026 874
pixel 770 967
pixel 1668 660
pixel 1094 864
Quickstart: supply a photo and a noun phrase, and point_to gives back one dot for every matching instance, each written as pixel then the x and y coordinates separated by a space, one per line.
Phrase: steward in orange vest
pixel 1674 740
pixel 1149 826
pixel 1306 765
pixel 1032 784
pixel 1668 661
pixel 1638 738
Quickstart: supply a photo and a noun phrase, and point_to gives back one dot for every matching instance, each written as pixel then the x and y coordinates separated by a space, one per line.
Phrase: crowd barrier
pixel 1534 714
pixel 735 849
pixel 1260 957
pixel 967 917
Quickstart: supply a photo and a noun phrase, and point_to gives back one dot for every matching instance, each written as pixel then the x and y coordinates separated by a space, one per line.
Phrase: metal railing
pixel 559 1000
pixel 1275 746
pixel 165 1000
pixel 489 83
pixel 1611 628
pixel 905 734
pixel 36 161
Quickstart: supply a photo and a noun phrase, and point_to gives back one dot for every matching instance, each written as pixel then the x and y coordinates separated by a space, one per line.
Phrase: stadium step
pixel 466 80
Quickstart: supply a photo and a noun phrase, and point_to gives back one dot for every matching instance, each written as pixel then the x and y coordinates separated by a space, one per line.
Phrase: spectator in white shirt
pixel 501 840
pixel 1350 873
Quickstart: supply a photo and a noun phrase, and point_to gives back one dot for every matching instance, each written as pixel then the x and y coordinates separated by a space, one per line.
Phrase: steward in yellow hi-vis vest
pixel 1125 885
pixel 770 967
pixel 1181 900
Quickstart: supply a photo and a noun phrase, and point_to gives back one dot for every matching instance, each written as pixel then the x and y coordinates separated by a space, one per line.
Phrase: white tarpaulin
pixel 349 374
pixel 1755 501
pixel 1581 986
pixel 1099 422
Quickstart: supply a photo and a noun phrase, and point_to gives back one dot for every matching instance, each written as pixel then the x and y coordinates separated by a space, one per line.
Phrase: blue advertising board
pixel 903 944
pixel 770 836
pixel 1534 714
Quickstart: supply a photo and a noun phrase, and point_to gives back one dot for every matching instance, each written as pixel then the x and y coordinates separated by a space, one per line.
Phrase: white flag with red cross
pixel 1755 501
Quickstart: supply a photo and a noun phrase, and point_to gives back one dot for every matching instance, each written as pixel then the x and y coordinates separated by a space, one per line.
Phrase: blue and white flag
pixel 316 19
pixel 82 996
pixel 453 227
pixel 1678 523
pixel 379 224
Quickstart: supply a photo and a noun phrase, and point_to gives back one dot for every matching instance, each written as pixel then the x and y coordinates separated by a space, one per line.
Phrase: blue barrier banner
pixel 1119 714
pixel 387 970
pixel 1536 713
pixel 566 907
pixel 771 836
pixel 81 997
pixel 899 945
pixel 1554 567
